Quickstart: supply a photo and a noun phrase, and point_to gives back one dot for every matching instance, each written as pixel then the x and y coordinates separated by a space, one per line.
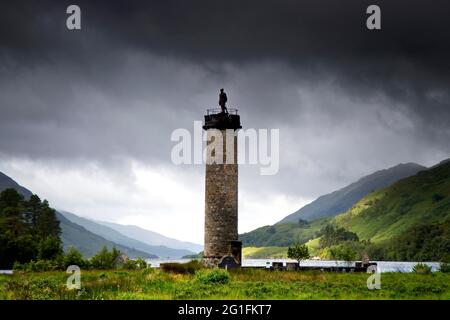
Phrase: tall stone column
pixel 221 191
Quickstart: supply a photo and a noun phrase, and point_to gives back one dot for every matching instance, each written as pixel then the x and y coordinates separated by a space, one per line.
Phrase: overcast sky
pixel 86 116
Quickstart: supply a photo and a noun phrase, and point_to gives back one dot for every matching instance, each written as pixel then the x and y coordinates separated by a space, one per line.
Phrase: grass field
pixel 241 284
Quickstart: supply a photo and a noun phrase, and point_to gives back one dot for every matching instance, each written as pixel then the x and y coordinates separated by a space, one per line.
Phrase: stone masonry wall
pixel 221 202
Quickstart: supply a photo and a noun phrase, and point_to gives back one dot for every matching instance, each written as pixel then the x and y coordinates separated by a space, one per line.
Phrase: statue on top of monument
pixel 222 101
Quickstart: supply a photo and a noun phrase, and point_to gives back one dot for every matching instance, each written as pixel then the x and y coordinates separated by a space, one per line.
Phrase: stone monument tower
pixel 222 247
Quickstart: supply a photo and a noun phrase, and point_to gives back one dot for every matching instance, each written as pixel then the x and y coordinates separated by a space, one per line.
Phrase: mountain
pixel 88 243
pixel 306 223
pixel 343 199
pixel 120 237
pixel 406 221
pixel 73 234
pixel 283 234
pixel 6 182
pixel 151 237
pixel 390 212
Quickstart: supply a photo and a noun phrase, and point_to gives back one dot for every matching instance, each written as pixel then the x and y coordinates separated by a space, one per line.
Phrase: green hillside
pixel 318 213
pixel 409 220
pixel 341 200
pixel 264 252
pixel 389 212
pixel 283 235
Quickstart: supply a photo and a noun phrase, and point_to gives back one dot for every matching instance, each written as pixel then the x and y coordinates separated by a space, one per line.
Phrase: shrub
pixel 422 268
pixel 345 251
pixel 130 265
pixel 39 266
pixel 183 268
pixel 148 270
pixel 302 223
pixel 47 265
pixel 137 264
pixel 212 276
pixel 444 267
pixel 74 257
pixel 17 266
pixel 49 248
pixel 445 264
pixel 437 197
pixel 105 259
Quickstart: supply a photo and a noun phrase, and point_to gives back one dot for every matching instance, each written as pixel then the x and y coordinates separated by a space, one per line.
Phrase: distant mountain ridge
pixel 90 242
pixel 151 237
pixel 75 235
pixel 6 182
pixel 118 237
pixel 343 199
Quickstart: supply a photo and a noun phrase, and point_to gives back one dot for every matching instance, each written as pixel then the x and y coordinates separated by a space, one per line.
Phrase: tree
pixel 333 236
pixel 48 230
pixel 302 223
pixel 33 208
pixel 343 252
pixel 47 225
pixel 73 257
pixel 298 252
pixel 271 230
pixel 10 198
pixel 12 221
pixel 104 259
pixel 49 248
pixel 137 264
pixel 29 230
pixel 16 243
pixel 438 197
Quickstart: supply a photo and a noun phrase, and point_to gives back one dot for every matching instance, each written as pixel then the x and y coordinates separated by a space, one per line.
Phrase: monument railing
pixel 218 110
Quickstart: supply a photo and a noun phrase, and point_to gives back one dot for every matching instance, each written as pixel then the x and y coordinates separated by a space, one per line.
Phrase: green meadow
pixel 220 284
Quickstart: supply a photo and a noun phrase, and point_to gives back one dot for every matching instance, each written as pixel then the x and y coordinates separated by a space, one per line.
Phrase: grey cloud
pixel 347 101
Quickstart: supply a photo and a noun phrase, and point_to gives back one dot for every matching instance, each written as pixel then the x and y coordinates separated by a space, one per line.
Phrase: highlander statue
pixel 223 101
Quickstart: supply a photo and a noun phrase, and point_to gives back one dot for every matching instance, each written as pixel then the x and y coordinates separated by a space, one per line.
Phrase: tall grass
pixel 221 284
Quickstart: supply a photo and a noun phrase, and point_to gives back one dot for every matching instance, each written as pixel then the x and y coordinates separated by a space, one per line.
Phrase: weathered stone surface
pixel 221 202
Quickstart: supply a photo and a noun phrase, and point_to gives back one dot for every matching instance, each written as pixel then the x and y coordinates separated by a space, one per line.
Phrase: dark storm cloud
pixel 139 69
pixel 239 30
pixel 407 59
